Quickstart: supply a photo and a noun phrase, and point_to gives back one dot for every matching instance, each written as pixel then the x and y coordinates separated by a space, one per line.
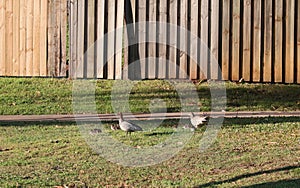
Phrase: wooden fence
pixel 33 37
pixel 258 40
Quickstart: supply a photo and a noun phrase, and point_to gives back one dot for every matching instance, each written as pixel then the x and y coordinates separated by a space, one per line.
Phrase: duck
pixel 127 126
pixel 114 127
pixel 191 127
pixel 197 120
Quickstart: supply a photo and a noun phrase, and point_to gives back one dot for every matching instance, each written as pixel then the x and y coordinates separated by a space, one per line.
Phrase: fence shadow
pixel 284 183
pixel 248 175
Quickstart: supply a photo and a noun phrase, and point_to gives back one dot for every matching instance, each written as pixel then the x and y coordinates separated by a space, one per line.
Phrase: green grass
pixel 248 152
pixel 54 96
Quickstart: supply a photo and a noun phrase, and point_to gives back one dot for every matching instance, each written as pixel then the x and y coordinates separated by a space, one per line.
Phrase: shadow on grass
pixel 159 133
pixel 28 124
pixel 228 122
pixel 287 168
pixel 284 183
pixel 267 120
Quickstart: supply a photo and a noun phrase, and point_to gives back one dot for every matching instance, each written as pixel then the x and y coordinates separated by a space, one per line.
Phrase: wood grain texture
pixel 9 37
pixel 214 56
pixel 111 39
pixel 73 39
pixel 43 38
pixel 173 40
pixel 247 40
pixel 162 36
pixel 194 40
pixel 257 41
pixel 81 39
pixel 2 38
pixel 58 24
pixel 235 64
pixel 22 28
pixel 119 39
pixel 100 38
pixel 267 66
pixel 290 37
pixel 152 38
pixel 36 38
pixel 16 38
pixel 278 41
pixel 204 39
pixel 91 39
pixel 183 65
pixel 63 39
pixel 141 32
pixel 29 38
pixel 225 39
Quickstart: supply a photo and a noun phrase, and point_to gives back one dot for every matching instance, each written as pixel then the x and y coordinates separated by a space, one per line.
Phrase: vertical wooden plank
pixel 2 37
pixel 91 39
pixel 63 39
pixel 257 41
pixel 268 42
pixel 125 74
pixel 247 40
pixel 119 38
pixel 58 64
pixel 22 28
pixel 16 38
pixel 290 29
pixel 9 37
pixel 204 38
pixel 36 38
pixel 236 41
pixel 173 40
pixel 278 40
pixel 100 38
pixel 81 37
pixel 214 58
pixel 73 38
pixel 298 44
pixel 183 39
pixel 194 38
pixel 43 38
pixel 111 39
pixel 152 38
pixel 225 39
pixel 51 39
pixel 142 12
pixel 162 54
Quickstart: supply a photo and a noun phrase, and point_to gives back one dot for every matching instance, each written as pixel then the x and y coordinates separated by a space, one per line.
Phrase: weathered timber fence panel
pixel 256 40
pixel 33 38
pixel 90 21
pixel 57 38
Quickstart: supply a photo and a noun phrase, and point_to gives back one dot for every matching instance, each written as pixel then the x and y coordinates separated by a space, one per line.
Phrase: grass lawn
pixel 248 153
pixel 54 96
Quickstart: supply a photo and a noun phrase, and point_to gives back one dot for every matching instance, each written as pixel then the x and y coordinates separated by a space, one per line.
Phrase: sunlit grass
pixel 247 152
